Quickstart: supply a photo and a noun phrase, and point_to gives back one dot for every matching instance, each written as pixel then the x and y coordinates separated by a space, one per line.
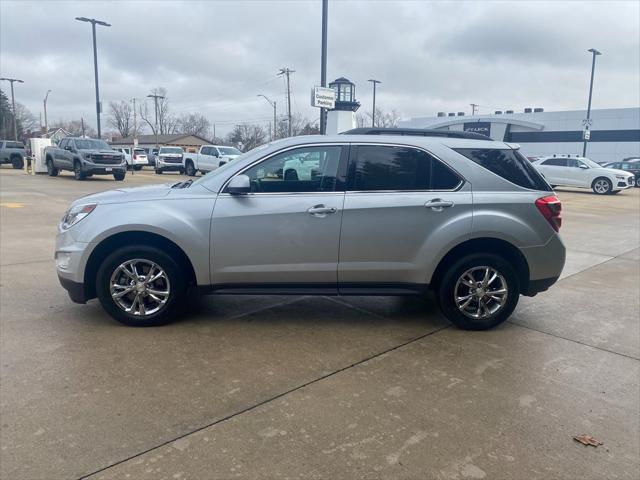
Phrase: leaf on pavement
pixel 587 440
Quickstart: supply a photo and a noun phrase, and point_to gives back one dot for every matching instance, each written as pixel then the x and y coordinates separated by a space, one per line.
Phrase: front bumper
pixel 71 259
pixel 169 166
pixel 103 169
pixel 75 290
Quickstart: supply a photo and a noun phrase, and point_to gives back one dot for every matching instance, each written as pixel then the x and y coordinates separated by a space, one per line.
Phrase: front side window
pixel 378 167
pixel 555 162
pixel 229 151
pixel 307 169
pixel 509 164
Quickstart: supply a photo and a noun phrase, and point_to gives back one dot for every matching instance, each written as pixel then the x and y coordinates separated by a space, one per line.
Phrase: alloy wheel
pixel 480 292
pixel 601 186
pixel 140 287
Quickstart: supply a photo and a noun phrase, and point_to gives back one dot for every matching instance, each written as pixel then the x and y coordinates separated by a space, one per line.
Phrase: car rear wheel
pixel 602 186
pixel 478 292
pixel 190 169
pixel 159 171
pixel 17 162
pixel 137 168
pixel 140 286
pixel 77 171
pixel 638 182
pixel 51 170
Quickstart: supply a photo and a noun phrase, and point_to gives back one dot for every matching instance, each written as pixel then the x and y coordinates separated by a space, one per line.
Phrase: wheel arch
pixel 115 241
pixel 491 245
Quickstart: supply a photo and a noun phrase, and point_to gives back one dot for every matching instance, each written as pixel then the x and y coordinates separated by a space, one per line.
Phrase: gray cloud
pixel 216 56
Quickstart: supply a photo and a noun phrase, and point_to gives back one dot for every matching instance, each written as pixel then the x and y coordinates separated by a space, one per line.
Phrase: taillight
pixel 135 157
pixel 551 209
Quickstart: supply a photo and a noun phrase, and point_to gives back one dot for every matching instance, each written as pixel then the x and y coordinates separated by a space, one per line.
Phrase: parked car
pixel 169 159
pixel 392 215
pixel 151 156
pixel 139 159
pixel 85 157
pixel 208 158
pixel 583 173
pixel 12 152
pixel 629 166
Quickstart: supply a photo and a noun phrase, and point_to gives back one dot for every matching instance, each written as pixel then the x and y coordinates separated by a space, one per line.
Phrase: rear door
pixel 398 199
pixel 554 170
pixel 206 158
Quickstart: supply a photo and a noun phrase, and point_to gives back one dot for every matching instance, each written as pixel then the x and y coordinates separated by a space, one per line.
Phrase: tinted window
pixel 63 143
pixel 14 145
pixel 398 168
pixel 555 162
pixel 508 164
pixel 206 151
pixel 308 169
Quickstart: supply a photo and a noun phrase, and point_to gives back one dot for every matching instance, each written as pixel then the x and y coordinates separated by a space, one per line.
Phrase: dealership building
pixel 614 132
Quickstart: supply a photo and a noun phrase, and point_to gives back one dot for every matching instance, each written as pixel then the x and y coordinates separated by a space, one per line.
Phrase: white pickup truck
pixel 208 158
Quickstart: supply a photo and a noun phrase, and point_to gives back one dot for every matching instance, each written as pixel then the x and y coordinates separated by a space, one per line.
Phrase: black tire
pixel 17 162
pixel 51 170
pixel 181 171
pixel 119 176
pixel 78 173
pixel 176 285
pixel 638 182
pixel 190 169
pixel 446 291
pixel 159 171
pixel 601 186
pixel 137 168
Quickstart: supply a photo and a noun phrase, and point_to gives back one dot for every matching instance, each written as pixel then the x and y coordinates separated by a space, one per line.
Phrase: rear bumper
pixel 537 286
pixel 75 290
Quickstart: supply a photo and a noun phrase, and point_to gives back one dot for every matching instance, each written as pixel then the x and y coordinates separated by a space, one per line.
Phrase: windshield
pixel 139 151
pixel 229 151
pixel 171 150
pixel 89 144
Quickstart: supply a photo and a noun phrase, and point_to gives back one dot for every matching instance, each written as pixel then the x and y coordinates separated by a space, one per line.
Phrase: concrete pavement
pixel 302 387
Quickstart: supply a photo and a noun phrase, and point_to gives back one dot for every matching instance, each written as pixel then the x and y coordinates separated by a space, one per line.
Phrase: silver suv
pixel 354 214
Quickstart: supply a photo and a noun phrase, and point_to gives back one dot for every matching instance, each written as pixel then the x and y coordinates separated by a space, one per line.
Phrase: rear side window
pixel 14 145
pixel 375 167
pixel 508 164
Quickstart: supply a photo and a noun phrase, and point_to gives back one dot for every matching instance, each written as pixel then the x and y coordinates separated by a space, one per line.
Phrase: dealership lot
pixel 247 387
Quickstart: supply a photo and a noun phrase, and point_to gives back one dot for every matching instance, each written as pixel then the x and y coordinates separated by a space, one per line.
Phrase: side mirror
pixel 67 148
pixel 583 166
pixel 240 184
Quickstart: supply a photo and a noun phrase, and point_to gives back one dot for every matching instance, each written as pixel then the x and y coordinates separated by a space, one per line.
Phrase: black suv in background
pixel 631 167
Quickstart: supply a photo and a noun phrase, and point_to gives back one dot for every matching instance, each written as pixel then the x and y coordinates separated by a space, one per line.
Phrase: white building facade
pixel 614 132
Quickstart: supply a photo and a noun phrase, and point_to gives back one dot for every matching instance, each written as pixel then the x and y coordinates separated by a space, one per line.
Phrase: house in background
pixel 190 143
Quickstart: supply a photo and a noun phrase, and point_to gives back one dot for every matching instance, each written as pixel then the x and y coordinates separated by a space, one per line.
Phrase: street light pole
pixel 587 122
pixel 323 63
pixel 373 115
pixel 93 22
pixel 46 123
pixel 273 104
pixel 13 103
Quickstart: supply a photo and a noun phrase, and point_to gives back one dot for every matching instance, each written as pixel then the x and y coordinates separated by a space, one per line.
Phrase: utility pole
pixel 93 22
pixel 82 123
pixel 135 132
pixel 273 104
pixel 214 132
pixel 373 114
pixel 323 64
pixel 13 103
pixel 286 71
pixel 587 122
pixel 473 108
pixel 46 124
pixel 155 102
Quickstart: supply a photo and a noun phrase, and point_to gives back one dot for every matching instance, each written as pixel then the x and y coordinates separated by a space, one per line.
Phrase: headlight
pixel 86 156
pixel 621 177
pixel 75 214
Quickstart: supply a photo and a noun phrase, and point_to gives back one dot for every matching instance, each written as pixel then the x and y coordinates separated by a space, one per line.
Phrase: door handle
pixel 321 210
pixel 437 204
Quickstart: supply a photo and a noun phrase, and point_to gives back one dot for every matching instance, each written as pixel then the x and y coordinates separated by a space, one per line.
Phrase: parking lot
pixel 319 387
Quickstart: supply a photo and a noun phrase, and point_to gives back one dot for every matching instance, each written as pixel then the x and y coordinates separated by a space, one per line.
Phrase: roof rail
pixel 417 132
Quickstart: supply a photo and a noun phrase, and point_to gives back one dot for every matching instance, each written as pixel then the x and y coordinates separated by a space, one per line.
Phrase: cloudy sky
pixel 214 57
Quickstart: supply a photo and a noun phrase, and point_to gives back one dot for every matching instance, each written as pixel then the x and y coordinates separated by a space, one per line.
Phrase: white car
pixel 139 157
pixel 208 158
pixel 574 171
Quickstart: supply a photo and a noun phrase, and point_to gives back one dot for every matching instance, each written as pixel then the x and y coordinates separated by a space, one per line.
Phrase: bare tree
pixel 26 121
pixel 383 119
pixel 121 117
pixel 195 124
pixel 167 123
pixel 74 127
pixel 247 137
pixel 299 126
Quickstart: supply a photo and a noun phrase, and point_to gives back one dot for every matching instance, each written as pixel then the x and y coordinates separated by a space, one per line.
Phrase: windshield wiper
pixel 185 184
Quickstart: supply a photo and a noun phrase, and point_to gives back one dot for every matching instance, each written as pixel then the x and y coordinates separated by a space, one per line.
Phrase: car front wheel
pixel 601 186
pixel 190 169
pixel 118 177
pixel 77 171
pixel 140 286
pixel 479 292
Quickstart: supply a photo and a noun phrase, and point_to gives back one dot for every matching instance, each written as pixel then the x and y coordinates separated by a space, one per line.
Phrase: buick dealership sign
pixel 483 128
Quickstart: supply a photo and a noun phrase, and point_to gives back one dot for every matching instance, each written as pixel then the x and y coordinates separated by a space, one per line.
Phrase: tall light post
pixel 93 23
pixel 587 122
pixel 323 63
pixel 46 123
pixel 373 115
pixel 155 97
pixel 273 104
pixel 13 103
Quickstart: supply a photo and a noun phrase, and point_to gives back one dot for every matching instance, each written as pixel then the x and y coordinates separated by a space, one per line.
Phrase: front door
pixel 286 232
pixel 397 199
